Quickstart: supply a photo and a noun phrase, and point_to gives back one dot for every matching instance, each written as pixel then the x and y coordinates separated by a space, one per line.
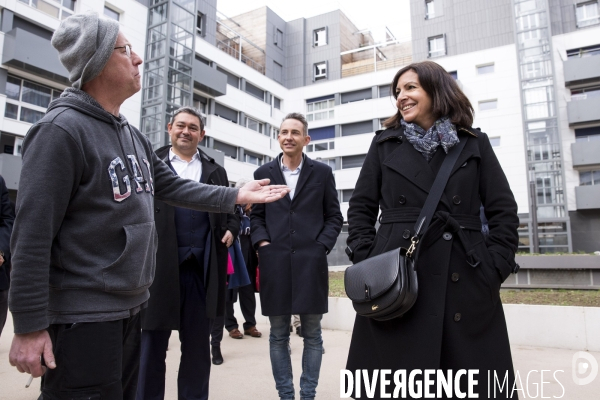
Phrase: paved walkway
pixel 246 373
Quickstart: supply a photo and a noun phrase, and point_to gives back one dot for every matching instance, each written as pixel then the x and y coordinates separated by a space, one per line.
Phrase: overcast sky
pixel 395 14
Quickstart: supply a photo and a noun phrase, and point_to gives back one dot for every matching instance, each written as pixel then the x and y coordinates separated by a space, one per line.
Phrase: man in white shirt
pixel 191 269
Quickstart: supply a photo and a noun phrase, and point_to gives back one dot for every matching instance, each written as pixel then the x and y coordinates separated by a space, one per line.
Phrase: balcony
pixel 582 70
pixel 209 80
pixel 34 54
pixel 584 111
pixel 587 197
pixel 585 154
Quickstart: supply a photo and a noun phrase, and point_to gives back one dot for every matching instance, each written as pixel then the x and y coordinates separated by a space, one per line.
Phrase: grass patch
pixel 553 297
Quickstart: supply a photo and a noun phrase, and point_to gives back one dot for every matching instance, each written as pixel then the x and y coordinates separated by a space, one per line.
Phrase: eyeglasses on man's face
pixel 127 49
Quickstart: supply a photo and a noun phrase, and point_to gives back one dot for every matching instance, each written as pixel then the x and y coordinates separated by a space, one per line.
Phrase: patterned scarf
pixel 443 132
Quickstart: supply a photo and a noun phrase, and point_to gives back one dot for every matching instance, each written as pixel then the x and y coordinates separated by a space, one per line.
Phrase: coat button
pixel 455 277
pixel 464 165
pixel 447 236
pixel 191 245
pixel 293 251
pixel 456 200
pixel 292 231
pixel 402 200
pixel 406 234
pixel 291 211
pixel 457 317
pixel 157 209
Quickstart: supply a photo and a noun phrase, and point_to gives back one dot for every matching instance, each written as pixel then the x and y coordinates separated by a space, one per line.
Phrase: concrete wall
pixel 585 230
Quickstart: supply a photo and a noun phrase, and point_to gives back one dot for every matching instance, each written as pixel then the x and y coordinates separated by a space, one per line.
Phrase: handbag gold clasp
pixel 375 307
pixel 413 245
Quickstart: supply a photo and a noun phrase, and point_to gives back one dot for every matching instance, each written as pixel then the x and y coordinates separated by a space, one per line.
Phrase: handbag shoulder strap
pixel 435 194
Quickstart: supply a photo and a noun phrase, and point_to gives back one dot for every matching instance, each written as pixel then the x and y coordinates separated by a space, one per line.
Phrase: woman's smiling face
pixel 413 101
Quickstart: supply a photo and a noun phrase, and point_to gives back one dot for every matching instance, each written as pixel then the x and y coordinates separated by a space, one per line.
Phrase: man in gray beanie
pixel 84 240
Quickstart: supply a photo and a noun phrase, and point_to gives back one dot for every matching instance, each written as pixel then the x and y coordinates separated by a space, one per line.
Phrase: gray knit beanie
pixel 85 42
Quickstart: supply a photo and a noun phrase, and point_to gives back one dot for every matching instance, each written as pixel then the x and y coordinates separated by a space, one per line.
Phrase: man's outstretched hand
pixel 261 192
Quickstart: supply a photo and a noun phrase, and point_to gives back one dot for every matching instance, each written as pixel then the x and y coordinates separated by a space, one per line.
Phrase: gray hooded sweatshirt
pixel 84 240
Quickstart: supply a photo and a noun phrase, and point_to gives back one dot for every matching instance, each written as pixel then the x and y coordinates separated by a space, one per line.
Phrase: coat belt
pixel 455 223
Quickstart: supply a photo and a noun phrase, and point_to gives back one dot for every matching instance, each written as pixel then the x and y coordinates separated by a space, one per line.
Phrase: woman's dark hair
pixel 447 98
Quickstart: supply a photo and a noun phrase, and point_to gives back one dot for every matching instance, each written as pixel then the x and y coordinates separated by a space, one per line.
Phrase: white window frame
pixel 495 141
pixel 329 143
pixel 200 20
pixel 248 158
pixel 260 126
pixel 320 110
pixel 55 93
pixel 45 6
pixel 277 37
pixel 274 132
pixel 320 37
pixel 581 14
pixel 112 10
pixel 437 52
pixel 429 15
pixel 484 69
pixel 489 101
pixel 320 71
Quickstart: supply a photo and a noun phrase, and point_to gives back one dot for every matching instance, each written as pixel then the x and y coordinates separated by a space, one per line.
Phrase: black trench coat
pixel 164 305
pixel 293 268
pixel 458 321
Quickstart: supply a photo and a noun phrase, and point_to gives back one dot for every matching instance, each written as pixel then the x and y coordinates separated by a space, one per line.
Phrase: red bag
pixel 257 283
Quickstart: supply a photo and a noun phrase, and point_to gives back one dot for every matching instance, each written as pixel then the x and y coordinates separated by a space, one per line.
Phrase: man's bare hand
pixel 26 351
pixel 261 192
pixel 227 239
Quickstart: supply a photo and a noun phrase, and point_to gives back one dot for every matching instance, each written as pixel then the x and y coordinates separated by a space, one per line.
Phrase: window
pixel 231 78
pixel 254 91
pixel 200 24
pixel 276 103
pixel 320 37
pixel 584 52
pixel 229 150
pixel 353 161
pixel 328 161
pixel 437 46
pixel 200 103
pixel 320 146
pixel 454 75
pixel 429 9
pixel 357 95
pixel 59 9
pixel 587 134
pixel 485 69
pixel 320 71
pixel 253 158
pixel 320 108
pixel 277 72
pixel 226 113
pixel 274 132
pixel 326 132
pixel 255 125
pixel 589 178
pixel 385 91
pixel 27 101
pixel 587 93
pixel 488 105
pixel 278 38
pixel 495 141
pixel 587 14
pixel 357 128
pixel 346 195
pixel 110 13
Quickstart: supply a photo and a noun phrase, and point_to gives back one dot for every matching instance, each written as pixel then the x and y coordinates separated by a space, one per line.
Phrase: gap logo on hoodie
pixel 139 182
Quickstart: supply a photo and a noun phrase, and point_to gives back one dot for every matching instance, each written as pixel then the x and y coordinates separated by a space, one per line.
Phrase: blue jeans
pixel 311 356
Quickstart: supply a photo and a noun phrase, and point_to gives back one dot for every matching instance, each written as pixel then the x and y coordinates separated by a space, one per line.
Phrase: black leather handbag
pixel 385 286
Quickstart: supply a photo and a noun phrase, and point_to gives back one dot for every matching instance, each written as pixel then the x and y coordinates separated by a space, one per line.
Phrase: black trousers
pixel 3 308
pixel 95 360
pixel 248 306
pixel 194 331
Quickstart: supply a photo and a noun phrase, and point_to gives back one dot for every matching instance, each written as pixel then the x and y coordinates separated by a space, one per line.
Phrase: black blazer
pixel 162 312
pixel 302 230
pixel 7 219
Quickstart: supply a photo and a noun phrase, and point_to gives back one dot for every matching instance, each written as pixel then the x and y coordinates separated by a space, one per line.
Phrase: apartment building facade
pixel 531 71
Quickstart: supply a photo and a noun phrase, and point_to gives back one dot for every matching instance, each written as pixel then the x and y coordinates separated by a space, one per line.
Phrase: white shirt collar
pixel 285 168
pixel 173 156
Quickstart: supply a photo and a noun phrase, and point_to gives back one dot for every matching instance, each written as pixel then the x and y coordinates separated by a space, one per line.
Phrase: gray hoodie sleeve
pixel 52 165
pixel 190 194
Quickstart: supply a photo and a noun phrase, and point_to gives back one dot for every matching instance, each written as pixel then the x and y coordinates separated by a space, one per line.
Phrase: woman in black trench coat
pixel 457 321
